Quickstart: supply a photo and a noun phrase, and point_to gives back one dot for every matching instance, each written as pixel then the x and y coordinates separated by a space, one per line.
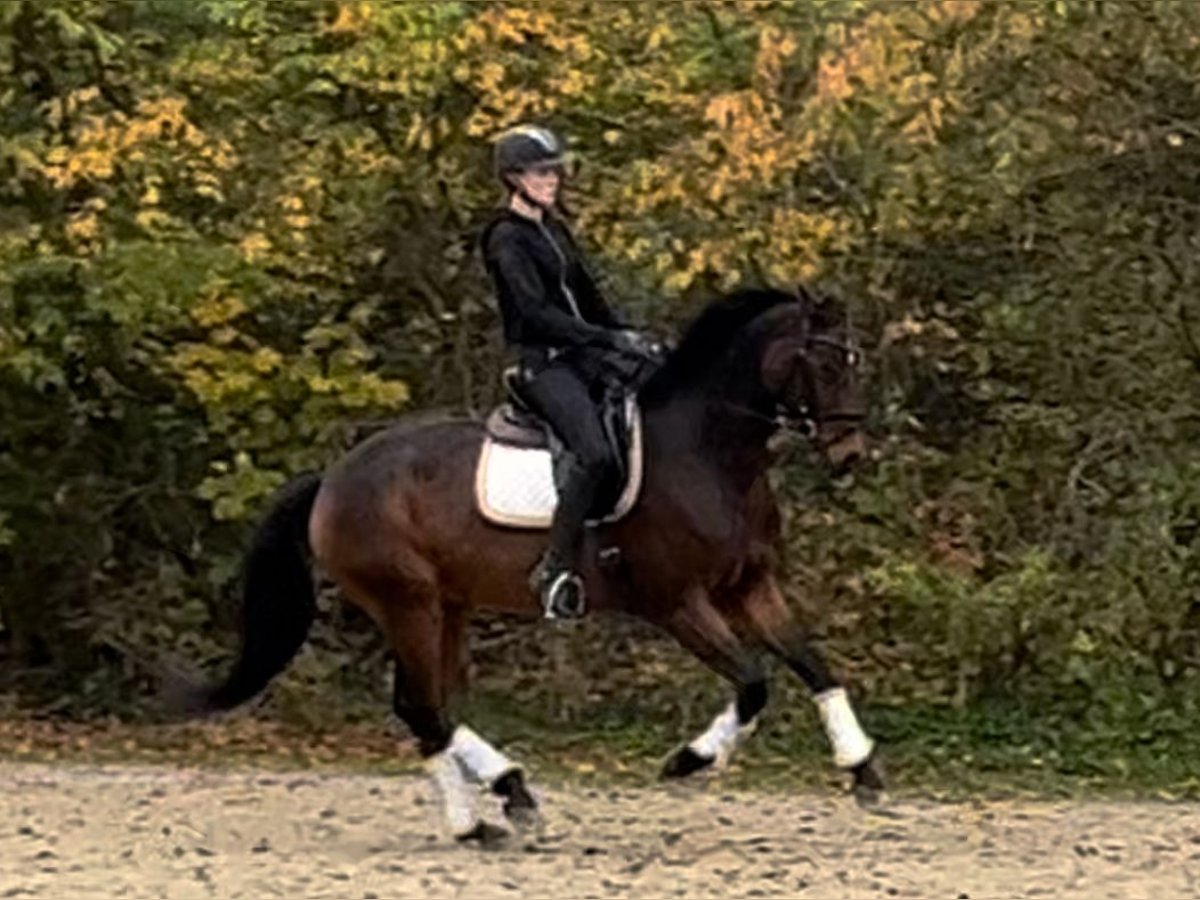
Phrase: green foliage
pixel 234 232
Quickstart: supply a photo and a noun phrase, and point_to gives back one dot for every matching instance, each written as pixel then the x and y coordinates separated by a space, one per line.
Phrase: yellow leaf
pixel 254 246
pixel 352 16
pixel 266 360
pixel 677 282
pixel 217 311
pixel 659 36
pixel 83 228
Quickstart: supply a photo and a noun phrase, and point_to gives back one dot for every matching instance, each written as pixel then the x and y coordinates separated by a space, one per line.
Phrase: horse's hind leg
pixel 480 761
pixel 419 695
pixel 700 628
pixel 763 612
pixel 423 635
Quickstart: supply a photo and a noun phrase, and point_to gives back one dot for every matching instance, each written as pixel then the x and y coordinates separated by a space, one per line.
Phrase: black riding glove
pixel 634 343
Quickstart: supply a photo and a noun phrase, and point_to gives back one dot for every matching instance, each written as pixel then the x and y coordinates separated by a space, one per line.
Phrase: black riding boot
pixel 556 578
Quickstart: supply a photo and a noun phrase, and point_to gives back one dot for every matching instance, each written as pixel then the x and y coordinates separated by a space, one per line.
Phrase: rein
pixel 802 423
pixel 801 420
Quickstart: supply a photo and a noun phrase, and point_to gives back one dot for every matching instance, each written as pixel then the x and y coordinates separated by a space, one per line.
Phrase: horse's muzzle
pixel 844 447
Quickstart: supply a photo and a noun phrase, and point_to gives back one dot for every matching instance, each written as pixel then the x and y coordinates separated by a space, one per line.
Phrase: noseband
pixel 800 419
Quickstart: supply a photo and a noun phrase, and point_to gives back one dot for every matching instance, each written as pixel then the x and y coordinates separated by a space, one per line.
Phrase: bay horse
pixel 394 523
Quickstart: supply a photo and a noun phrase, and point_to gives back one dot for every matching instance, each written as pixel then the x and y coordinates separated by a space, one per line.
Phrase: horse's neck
pixel 716 431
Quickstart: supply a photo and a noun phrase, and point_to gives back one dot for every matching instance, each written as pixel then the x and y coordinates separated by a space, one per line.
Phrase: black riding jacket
pixel 550 304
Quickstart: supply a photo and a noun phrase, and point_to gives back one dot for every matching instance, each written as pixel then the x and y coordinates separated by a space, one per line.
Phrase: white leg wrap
pixel 478 758
pixel 458 799
pixel 851 745
pixel 723 736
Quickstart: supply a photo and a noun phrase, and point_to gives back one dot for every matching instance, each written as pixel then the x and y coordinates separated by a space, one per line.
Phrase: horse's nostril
pixel 847 449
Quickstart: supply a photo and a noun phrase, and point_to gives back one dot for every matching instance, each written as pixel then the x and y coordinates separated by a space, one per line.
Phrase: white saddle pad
pixel 514 486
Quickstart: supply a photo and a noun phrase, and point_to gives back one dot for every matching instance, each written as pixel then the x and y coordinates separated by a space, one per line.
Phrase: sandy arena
pixel 119 831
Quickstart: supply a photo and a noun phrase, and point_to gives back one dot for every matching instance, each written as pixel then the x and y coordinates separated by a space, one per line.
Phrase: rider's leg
pixel 562 398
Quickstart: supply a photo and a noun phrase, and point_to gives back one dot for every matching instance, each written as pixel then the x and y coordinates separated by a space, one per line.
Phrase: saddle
pixel 519 468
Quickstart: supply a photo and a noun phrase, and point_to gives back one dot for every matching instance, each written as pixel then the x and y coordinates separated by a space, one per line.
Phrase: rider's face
pixel 541 184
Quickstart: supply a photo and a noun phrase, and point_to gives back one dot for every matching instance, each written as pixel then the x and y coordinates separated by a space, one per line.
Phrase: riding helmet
pixel 525 147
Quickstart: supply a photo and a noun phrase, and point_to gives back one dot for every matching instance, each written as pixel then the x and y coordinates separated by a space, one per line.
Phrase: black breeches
pixel 563 400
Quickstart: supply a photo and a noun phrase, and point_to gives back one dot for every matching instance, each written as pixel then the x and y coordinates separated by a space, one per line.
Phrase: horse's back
pixel 408 443
pixel 390 481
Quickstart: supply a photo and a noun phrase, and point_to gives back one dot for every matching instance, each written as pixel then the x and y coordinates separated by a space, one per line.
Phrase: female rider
pixel 560 327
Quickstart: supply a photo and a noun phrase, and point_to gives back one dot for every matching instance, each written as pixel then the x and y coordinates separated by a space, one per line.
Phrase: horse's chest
pixel 727 533
pixel 699 528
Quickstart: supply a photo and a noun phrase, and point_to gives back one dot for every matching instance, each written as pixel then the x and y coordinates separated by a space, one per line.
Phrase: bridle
pixel 800 418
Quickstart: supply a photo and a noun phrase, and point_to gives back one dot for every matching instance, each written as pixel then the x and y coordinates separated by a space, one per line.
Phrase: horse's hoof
pixel 485 834
pixel 684 762
pixel 868 783
pixel 520 808
pixel 523 818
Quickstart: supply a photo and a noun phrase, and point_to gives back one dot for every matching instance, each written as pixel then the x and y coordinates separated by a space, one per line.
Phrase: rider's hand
pixel 635 343
pixel 625 341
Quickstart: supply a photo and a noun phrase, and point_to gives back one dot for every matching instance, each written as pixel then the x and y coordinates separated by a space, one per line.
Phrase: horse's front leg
pixel 764 613
pixel 701 628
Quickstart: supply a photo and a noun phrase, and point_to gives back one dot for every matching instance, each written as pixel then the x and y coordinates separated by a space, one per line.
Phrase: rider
pixel 561 328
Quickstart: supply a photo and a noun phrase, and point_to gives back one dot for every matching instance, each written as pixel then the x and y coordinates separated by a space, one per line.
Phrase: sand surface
pixel 127 831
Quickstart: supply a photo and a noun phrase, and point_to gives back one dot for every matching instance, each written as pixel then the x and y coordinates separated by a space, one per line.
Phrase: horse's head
pixel 765 356
pixel 812 365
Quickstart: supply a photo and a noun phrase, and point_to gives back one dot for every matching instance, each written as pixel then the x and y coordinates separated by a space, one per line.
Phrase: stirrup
pixel 563 596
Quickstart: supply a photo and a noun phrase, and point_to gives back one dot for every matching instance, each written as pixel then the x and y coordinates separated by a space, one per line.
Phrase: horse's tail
pixel 278 600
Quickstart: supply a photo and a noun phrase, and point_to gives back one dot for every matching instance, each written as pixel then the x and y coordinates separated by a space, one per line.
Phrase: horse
pixel 394 523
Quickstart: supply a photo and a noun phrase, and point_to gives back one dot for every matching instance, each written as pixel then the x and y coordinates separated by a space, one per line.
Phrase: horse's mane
pixel 710 334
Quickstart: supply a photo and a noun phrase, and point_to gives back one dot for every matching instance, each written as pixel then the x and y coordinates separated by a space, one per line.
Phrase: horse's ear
pixel 807 300
pixel 830 311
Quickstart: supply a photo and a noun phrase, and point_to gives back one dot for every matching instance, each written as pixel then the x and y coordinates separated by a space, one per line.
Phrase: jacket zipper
pixel 562 278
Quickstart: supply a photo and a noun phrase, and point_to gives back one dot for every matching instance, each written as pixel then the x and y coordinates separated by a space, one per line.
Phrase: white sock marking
pixel 458 799
pixel 851 745
pixel 722 737
pixel 479 759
